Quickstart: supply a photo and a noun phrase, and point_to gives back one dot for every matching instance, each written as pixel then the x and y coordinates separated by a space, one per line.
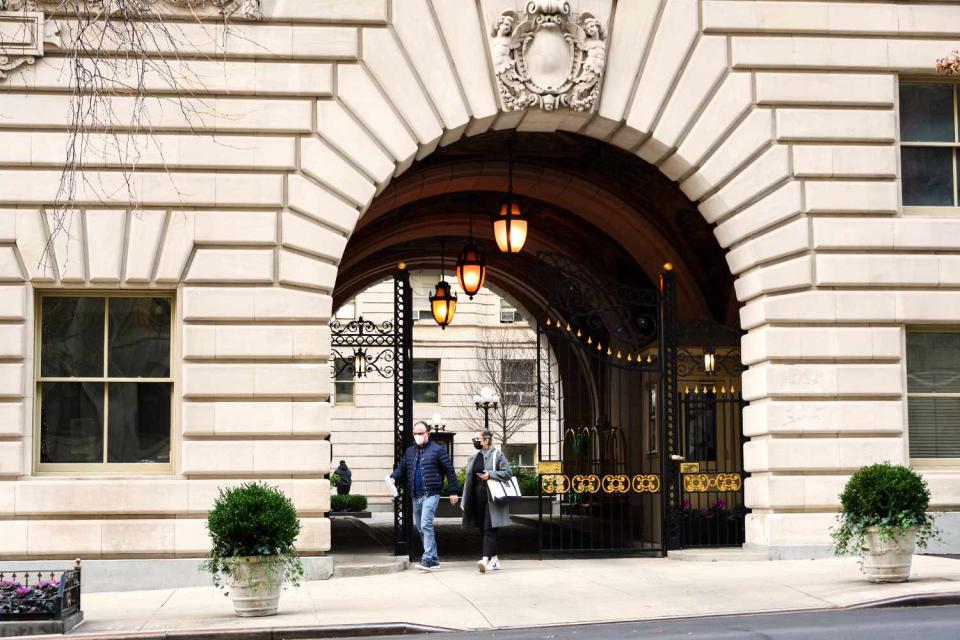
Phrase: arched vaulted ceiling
pixel 600 206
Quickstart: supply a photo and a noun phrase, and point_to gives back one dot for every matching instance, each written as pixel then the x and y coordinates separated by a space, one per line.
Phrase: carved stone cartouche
pixel 544 58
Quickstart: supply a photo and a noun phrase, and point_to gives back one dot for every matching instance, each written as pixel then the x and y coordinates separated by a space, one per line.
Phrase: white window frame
pixel 415 382
pixel 921 210
pixel 929 463
pixel 507 384
pixel 352 382
pixel 103 468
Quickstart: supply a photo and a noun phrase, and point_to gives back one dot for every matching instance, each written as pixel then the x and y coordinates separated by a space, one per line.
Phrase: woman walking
pixel 480 512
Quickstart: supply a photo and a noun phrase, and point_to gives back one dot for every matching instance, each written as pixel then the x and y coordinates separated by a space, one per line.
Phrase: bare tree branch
pixel 505 362
pixel 125 62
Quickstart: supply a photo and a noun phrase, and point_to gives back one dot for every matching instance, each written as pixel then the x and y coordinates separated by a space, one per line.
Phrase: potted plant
pixel 253 527
pixel 883 519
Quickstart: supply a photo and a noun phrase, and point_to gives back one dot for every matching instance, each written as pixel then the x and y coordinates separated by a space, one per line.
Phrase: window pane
pixel 934 427
pixel 343 392
pixel 139 422
pixel 71 342
pixel 426 370
pixel 343 370
pixel 426 392
pixel 933 362
pixel 927 176
pixel 139 338
pixel 71 422
pixel 926 112
pixel 700 420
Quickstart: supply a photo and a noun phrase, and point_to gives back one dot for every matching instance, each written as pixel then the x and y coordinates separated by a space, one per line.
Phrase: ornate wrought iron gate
pixel 608 441
pixel 712 512
pixel 386 349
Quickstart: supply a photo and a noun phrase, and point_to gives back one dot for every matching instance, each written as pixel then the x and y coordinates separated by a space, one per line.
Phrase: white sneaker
pixel 482 565
pixel 493 564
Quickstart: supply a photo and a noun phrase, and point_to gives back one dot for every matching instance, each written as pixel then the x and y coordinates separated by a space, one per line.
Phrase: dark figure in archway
pixel 346 478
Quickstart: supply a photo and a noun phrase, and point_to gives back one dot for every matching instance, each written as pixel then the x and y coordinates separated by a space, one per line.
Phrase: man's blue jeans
pixel 424 510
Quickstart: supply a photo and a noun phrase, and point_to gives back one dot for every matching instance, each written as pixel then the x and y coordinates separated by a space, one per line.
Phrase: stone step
pixel 718 555
pixel 368 565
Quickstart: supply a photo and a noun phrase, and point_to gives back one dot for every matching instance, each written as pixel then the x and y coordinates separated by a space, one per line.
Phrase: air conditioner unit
pixel 507 316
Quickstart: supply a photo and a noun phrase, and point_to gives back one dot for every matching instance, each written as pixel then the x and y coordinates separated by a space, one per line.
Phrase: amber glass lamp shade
pixel 471 270
pixel 443 304
pixel 510 228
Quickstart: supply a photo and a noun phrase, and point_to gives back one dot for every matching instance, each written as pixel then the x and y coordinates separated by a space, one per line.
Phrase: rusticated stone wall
pixel 778 118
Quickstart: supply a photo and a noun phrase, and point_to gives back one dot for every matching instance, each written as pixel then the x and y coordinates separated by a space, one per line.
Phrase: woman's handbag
pixel 503 490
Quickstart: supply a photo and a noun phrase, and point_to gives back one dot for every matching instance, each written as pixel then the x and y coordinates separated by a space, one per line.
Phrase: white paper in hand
pixel 391 486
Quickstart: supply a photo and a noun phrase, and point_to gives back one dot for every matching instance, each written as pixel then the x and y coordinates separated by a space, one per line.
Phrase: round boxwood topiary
pixel 254 519
pixel 892 498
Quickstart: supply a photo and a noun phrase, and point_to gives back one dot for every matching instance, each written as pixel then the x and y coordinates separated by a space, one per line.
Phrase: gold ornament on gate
pixel 619 483
pixel 704 482
pixel 646 483
pixel 586 484
pixel 555 484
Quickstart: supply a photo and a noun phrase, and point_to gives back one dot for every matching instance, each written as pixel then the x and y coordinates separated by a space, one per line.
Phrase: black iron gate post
pixel 667 418
pixel 403 403
pixel 386 348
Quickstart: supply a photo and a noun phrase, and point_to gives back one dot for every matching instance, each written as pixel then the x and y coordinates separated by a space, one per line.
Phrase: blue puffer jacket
pixel 434 464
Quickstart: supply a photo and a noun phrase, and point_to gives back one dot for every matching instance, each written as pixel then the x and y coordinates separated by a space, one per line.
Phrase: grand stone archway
pixel 781 128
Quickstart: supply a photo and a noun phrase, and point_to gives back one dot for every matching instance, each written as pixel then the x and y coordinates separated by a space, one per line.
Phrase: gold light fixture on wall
pixel 443 302
pixel 359 363
pixel 510 226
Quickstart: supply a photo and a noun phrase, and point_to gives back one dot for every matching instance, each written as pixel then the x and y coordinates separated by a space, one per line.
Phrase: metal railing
pixel 39 595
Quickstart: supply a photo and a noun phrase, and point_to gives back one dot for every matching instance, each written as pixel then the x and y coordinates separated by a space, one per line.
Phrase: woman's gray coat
pixel 499 513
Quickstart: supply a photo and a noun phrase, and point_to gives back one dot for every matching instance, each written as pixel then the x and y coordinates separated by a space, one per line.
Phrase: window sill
pixel 932 212
pixel 936 464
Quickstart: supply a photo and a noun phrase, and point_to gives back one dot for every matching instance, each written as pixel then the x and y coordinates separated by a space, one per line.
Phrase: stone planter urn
pixel 254 586
pixel 889 560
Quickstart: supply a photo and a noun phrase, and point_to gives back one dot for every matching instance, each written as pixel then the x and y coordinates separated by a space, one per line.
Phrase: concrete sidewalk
pixel 529 593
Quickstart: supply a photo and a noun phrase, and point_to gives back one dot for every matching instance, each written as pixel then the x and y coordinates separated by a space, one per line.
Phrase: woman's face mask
pixel 477 445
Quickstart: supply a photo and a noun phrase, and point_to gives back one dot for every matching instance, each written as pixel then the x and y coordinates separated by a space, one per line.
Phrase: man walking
pixel 423 468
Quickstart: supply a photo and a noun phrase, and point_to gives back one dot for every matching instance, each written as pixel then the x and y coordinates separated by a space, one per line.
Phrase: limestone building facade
pixel 815 137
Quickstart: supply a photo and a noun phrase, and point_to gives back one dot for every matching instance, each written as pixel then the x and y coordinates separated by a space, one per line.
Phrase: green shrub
pixel 892 498
pixel 528 479
pixel 254 519
pixel 351 502
pixel 461 478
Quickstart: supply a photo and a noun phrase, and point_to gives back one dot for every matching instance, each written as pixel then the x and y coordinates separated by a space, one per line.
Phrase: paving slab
pixel 530 593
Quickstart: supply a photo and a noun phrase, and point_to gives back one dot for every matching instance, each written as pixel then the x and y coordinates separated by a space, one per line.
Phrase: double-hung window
pixel 426 381
pixel 344 381
pixel 104 383
pixel 929 147
pixel 933 397
pixel 519 382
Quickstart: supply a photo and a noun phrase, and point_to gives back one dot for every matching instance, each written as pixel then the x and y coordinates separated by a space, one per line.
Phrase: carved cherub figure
pixel 501 45
pixel 594 47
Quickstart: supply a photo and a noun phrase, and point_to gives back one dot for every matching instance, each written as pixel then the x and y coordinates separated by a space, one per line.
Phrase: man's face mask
pixel 419 438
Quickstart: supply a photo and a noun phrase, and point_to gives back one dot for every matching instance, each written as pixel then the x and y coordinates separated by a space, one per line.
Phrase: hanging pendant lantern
pixel 443 302
pixel 510 227
pixel 471 267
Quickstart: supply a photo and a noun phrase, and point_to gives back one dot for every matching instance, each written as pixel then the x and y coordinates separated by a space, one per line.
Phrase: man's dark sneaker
pixel 426 567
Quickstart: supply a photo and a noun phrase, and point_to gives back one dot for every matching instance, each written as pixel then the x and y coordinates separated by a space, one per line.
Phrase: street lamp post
pixel 487 399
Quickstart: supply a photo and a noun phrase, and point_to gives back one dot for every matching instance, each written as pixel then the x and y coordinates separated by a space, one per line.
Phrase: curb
pixel 266 633
pixel 914 600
